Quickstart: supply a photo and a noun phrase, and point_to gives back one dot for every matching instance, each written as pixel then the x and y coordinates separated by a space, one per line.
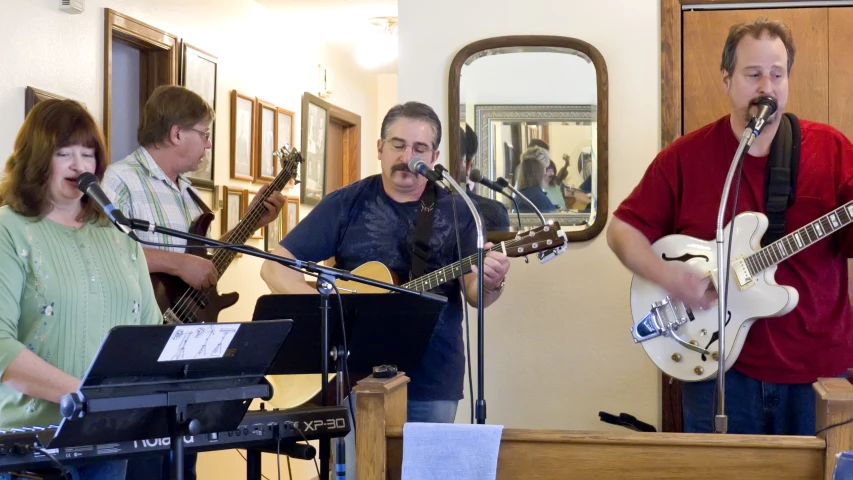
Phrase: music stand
pixel 167 381
pixel 381 329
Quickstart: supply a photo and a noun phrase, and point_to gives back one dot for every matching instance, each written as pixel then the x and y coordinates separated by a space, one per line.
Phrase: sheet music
pixel 197 342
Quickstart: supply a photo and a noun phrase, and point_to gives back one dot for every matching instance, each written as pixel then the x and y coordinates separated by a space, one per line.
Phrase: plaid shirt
pixel 140 189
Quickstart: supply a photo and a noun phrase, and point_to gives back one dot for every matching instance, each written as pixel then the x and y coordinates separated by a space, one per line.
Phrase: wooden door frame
pixel 671 128
pixel 351 151
pixel 144 37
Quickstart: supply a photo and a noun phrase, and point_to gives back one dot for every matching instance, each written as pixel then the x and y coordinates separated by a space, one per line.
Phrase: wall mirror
pixel 516 92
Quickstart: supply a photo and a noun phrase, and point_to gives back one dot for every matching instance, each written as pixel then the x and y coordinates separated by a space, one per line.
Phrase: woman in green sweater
pixel 68 276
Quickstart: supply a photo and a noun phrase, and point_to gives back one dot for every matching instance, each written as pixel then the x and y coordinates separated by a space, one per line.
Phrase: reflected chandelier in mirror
pixel 537 107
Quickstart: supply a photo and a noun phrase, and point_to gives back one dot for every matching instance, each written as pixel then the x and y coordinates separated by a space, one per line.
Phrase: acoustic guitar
pixel 181 303
pixel 548 241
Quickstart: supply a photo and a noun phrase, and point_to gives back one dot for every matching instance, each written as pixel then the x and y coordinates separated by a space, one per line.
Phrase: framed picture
pixel 198 73
pixel 33 95
pixel 284 135
pixel 266 166
pixel 272 236
pixel 315 124
pixel 290 215
pixel 233 207
pixel 243 113
pixel 259 233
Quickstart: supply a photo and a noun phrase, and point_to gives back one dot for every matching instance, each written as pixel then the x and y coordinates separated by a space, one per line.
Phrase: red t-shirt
pixel 680 194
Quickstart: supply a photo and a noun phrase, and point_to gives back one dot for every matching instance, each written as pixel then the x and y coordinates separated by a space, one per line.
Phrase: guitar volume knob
pixel 676 357
pixel 699 370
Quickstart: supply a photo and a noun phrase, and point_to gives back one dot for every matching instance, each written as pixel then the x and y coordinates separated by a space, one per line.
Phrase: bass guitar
pixel 683 343
pixel 181 303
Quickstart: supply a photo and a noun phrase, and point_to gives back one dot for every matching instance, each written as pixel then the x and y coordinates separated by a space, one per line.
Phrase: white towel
pixel 449 451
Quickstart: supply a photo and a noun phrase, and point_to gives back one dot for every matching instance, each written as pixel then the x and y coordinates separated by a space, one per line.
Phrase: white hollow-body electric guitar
pixel 683 343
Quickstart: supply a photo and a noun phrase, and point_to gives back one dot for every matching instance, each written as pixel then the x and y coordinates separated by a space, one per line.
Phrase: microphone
pixel 767 106
pixel 88 184
pixel 502 183
pixel 477 176
pixel 419 166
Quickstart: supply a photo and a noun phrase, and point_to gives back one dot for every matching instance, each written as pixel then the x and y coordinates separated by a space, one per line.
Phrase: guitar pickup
pixel 742 274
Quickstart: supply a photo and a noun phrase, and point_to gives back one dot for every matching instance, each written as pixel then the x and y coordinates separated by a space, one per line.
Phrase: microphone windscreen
pixel 413 164
pixel 86 180
pixel 475 175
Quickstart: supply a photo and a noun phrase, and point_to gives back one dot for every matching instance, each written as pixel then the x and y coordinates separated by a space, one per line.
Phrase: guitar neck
pixel 450 272
pixel 246 227
pixel 796 241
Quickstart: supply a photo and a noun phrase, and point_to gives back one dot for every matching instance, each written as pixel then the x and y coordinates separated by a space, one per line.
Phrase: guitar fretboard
pixel 794 242
pixel 450 272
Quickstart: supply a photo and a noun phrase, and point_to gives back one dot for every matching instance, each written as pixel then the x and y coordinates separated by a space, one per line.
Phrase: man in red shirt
pixel 768 390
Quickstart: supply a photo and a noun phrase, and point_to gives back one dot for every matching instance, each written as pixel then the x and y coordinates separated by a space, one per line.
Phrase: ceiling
pixel 326 4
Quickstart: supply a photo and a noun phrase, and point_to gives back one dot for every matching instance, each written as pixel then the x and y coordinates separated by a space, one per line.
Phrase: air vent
pixel 72 6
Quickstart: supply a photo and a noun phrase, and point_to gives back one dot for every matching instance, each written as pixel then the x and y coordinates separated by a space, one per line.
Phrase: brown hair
pixel 52 124
pixel 171 105
pixel 773 28
pixel 532 168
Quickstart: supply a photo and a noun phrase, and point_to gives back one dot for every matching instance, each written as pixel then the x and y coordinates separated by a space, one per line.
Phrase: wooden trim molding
pixel 351 170
pixel 147 39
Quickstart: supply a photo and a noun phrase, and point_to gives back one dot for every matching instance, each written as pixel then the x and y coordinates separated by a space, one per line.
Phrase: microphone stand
pixel 721 420
pixel 480 408
pixel 506 184
pixel 326 276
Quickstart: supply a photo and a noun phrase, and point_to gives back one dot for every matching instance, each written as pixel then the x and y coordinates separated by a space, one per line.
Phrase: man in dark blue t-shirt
pixel 373 220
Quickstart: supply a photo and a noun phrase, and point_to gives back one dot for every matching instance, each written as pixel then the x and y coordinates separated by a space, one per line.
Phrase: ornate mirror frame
pixel 602 88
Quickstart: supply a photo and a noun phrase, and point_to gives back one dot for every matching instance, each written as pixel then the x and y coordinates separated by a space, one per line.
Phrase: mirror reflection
pixel 533 112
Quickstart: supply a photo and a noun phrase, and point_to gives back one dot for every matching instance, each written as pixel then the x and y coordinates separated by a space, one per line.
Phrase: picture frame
pixel 233 207
pixel 272 236
pixel 289 215
pixel 249 195
pixel 284 134
pixel 33 95
pixel 266 164
pixel 243 114
pixel 199 73
pixel 315 127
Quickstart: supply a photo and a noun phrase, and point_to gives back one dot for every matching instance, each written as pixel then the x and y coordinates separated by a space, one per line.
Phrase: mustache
pixel 400 167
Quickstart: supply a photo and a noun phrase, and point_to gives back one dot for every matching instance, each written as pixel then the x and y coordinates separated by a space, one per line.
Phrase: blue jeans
pixel 111 470
pixel 159 467
pixel 425 411
pixel 752 407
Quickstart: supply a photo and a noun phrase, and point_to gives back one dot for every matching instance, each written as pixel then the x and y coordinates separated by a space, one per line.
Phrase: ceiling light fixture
pixel 379 46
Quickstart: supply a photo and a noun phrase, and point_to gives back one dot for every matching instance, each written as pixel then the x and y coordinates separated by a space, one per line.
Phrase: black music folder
pixel 381 329
pixel 166 380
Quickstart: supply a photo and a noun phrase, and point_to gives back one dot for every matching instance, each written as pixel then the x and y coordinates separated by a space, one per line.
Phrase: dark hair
pixel 51 124
pixel 554 179
pixel 171 105
pixel 532 168
pixel 536 142
pixel 467 143
pixel 413 111
pixel 773 28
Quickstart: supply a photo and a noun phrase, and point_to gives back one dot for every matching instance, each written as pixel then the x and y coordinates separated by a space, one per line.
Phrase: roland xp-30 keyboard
pixel 260 429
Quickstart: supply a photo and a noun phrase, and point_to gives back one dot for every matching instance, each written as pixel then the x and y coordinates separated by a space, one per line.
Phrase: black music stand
pixel 381 329
pixel 168 381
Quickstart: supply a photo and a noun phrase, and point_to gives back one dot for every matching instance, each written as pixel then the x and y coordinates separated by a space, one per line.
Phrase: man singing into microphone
pixel 374 220
pixel 768 390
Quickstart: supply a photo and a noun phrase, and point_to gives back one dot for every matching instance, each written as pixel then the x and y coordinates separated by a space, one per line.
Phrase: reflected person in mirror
pixel 531 177
pixel 768 390
pixel 494 213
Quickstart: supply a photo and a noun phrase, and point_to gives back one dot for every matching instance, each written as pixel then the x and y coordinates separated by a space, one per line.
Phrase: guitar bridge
pixel 655 324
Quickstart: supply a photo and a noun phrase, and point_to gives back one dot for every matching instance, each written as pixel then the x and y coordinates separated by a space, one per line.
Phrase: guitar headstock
pixel 549 240
pixel 290 159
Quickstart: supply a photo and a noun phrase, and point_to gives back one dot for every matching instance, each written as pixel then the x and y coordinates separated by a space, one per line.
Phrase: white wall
pixel 271 55
pixel 557 344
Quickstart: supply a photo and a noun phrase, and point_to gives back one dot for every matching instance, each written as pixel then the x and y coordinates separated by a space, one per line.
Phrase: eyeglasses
pixel 204 135
pixel 400 147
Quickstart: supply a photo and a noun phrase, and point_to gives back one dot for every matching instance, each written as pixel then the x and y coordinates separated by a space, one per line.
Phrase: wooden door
pixel 840 32
pixel 704 35
pixel 334 156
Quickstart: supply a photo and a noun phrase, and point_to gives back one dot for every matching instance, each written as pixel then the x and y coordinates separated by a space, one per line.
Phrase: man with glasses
pixel 149 184
pixel 374 220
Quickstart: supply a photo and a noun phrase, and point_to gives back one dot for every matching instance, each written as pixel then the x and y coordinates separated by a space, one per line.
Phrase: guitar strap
pixel 780 187
pixel 198 201
pixel 423 228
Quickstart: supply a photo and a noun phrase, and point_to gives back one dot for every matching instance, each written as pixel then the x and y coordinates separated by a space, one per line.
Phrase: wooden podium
pixel 548 454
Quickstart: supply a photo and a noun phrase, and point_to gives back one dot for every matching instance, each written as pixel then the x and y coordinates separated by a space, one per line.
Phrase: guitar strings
pixel 192 300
